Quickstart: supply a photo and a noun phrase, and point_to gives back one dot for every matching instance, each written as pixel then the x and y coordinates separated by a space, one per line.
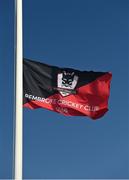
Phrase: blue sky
pixel 82 34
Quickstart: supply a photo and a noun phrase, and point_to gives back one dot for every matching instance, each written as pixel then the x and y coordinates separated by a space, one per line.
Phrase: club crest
pixel 66 82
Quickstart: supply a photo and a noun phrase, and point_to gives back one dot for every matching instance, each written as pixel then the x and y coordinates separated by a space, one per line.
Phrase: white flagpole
pixel 19 93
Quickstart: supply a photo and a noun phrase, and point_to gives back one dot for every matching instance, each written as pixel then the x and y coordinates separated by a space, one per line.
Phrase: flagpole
pixel 19 93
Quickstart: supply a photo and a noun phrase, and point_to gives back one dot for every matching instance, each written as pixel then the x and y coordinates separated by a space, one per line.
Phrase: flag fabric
pixel 65 90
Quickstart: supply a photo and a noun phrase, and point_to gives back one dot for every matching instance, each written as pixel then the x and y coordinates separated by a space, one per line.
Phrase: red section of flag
pixel 90 100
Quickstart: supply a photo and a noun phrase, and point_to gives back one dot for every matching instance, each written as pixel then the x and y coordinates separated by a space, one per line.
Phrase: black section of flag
pixel 45 80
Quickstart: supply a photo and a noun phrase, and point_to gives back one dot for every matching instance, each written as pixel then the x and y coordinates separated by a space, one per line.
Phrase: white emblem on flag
pixel 66 82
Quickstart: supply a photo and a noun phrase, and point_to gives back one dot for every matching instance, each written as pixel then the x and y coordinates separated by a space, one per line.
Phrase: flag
pixel 65 90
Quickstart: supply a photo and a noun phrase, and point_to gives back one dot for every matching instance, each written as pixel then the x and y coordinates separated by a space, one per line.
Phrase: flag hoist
pixel 18 91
